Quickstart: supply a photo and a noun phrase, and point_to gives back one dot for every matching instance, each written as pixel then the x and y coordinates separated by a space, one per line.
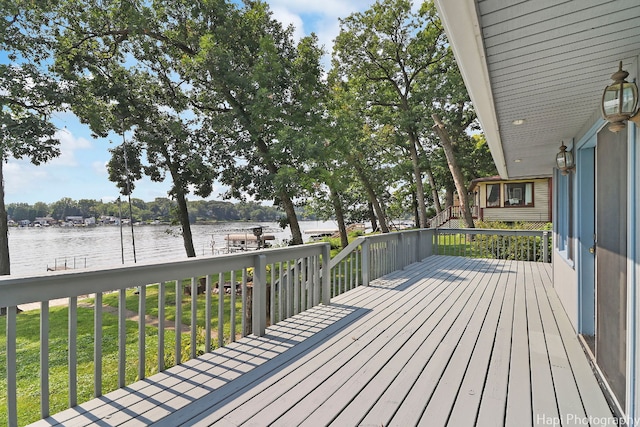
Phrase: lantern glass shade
pixel 620 99
pixel 564 159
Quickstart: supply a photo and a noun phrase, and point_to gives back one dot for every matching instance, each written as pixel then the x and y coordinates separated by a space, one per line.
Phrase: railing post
pixel 326 274
pixel 259 295
pixel 434 246
pixel 365 262
pixel 545 246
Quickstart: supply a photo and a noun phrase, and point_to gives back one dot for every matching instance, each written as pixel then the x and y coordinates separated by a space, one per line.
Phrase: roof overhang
pixel 535 70
pixel 468 48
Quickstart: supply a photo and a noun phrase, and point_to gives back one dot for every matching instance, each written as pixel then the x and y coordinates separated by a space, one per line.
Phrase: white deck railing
pixel 247 306
pixel 521 245
pixel 371 257
pixel 261 288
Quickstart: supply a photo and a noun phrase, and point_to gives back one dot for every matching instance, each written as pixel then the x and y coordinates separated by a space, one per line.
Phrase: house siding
pixel 539 211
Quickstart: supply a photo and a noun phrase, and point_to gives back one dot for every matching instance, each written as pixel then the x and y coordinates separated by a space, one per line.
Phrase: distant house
pixel 522 200
pixel 109 220
pixel 79 220
pixel 44 220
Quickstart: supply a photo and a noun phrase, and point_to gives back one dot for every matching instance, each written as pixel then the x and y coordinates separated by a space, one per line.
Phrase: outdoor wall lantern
pixel 620 101
pixel 564 160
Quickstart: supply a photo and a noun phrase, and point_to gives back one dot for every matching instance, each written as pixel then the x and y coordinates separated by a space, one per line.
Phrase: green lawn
pixel 28 348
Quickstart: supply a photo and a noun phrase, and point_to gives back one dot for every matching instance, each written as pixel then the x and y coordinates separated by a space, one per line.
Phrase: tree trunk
pixel 372 217
pixel 290 211
pixel 434 190
pixel 5 265
pixel 448 198
pixel 373 198
pixel 417 175
pixel 458 178
pixel 183 213
pixel 337 207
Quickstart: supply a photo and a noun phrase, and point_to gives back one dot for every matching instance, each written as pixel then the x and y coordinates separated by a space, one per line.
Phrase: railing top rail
pixel 15 290
pixel 346 251
pixel 489 231
pixel 374 238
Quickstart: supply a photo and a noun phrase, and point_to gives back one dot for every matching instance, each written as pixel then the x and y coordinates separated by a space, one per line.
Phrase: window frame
pixel 524 188
pixel 487 193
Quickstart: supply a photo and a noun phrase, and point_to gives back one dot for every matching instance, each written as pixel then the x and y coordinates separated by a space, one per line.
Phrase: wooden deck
pixel 446 342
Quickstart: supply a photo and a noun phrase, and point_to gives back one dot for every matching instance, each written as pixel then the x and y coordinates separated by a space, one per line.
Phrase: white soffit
pixel 468 48
pixel 544 61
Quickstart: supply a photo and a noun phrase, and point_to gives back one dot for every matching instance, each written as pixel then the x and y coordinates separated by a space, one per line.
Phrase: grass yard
pixel 28 348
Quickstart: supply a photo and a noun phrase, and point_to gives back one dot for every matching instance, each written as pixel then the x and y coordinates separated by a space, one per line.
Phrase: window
pixel 493 195
pixel 518 194
pixel 564 214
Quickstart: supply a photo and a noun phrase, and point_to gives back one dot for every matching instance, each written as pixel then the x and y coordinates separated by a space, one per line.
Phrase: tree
pixel 246 79
pixel 458 178
pixel 28 96
pixel 261 94
pixel 390 54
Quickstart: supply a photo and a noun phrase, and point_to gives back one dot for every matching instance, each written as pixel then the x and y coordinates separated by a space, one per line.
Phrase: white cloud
pixel 330 8
pixel 320 17
pixel 100 168
pixel 289 18
pixel 22 177
pixel 69 144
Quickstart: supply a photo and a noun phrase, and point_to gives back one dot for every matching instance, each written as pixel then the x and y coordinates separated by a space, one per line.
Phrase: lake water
pixel 33 249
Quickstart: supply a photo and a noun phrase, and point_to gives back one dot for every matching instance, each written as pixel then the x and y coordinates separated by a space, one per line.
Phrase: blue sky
pixel 80 172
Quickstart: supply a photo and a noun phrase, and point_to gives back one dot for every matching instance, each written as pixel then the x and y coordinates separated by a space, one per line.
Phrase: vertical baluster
pixel 44 359
pixel 365 260
pixel 122 336
pixel 292 284
pixel 73 351
pixel 161 319
pixel 305 282
pixel 12 394
pixel 232 316
pixel 358 255
pixel 326 284
pixel 333 283
pixel 316 280
pixel 293 287
pixel 351 272
pixel 259 308
pixel 520 244
pixel 280 293
pixel 178 322
pixel 340 290
pixel 244 302
pixel 194 318
pixel 220 310
pixel 208 312
pixel 97 346
pixel 309 282
pixel 272 295
pixel 142 310
pixel 464 237
pixel 298 287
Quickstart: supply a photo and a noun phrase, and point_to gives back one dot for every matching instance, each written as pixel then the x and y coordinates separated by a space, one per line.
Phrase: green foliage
pixel 521 248
pixel 160 209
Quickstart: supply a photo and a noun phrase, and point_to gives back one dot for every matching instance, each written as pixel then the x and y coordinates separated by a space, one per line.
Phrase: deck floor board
pixel 445 342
